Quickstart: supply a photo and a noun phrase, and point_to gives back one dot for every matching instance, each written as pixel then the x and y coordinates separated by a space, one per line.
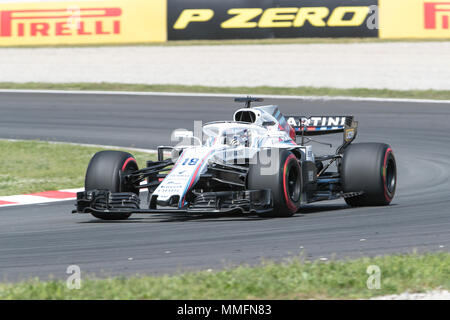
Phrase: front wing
pixel 245 201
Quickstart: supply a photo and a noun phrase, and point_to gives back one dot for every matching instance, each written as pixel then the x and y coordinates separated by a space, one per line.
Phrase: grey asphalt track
pixel 42 240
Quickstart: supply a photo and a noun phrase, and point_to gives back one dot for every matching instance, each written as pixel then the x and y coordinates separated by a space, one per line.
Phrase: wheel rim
pixel 129 166
pixel 293 184
pixel 391 176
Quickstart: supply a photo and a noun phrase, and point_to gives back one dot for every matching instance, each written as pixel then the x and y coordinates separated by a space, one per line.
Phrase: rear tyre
pixel 103 172
pixel 370 168
pixel 282 175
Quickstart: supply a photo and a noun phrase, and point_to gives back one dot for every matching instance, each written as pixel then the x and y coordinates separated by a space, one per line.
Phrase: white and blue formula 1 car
pixel 254 164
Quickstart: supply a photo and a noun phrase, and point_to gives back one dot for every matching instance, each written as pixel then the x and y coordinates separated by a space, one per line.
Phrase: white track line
pixel 220 95
pixel 40 197
pixel 150 151
pixel 29 199
pixel 72 190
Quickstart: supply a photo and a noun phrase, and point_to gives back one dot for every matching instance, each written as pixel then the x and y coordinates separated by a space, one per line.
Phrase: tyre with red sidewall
pixel 370 168
pixel 280 172
pixel 104 172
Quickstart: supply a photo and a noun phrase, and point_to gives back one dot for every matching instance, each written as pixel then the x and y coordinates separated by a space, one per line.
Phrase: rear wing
pixel 319 125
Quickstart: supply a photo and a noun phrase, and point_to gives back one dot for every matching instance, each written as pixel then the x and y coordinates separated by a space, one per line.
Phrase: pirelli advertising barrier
pixel 82 22
pixel 142 21
pixel 414 19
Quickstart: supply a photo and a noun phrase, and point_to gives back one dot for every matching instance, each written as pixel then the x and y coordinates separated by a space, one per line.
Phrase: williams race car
pixel 259 163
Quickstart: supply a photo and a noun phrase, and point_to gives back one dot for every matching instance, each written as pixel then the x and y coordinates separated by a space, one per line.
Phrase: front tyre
pixel 282 175
pixel 104 172
pixel 370 168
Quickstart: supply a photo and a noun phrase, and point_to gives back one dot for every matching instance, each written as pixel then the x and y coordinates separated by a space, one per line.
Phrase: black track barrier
pixel 259 19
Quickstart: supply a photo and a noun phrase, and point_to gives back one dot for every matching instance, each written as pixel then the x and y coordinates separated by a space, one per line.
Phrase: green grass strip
pixel 290 280
pixel 34 166
pixel 287 41
pixel 302 91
